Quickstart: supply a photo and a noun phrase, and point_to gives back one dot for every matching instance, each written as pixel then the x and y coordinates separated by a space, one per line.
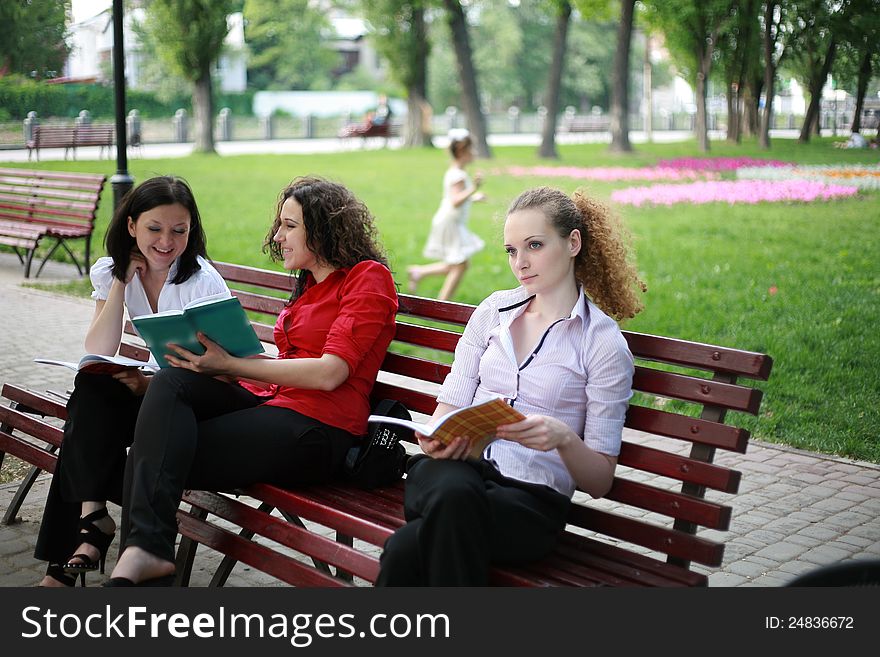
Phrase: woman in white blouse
pixel 552 347
pixel 157 261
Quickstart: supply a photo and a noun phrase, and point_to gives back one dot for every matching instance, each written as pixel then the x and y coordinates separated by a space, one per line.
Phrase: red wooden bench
pixel 54 204
pixel 69 137
pixel 643 533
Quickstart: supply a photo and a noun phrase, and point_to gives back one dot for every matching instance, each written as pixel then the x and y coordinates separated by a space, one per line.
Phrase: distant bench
pixel 55 204
pixel 69 137
pixel 586 123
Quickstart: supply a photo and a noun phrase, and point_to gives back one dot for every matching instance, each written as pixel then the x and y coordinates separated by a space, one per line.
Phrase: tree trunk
pixel 620 81
pixel 817 81
pixel 203 113
pixel 864 78
pixel 554 84
pixel 418 121
pixel 770 63
pixel 733 113
pixel 704 63
pixel 468 75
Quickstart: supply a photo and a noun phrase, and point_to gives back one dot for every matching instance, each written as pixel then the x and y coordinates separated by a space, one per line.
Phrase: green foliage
pixel 397 37
pixel 19 95
pixel 287 41
pixel 189 33
pixel 32 37
pixel 512 56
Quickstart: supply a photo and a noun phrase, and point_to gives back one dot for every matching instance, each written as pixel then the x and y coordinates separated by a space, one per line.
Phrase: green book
pixel 222 320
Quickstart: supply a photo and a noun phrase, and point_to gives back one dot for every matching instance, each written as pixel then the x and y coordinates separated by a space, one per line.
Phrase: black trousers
pixel 101 415
pixel 464 516
pixel 194 431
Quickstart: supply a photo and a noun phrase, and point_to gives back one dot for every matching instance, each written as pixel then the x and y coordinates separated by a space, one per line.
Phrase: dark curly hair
pixel 340 230
pixel 603 265
pixel 161 190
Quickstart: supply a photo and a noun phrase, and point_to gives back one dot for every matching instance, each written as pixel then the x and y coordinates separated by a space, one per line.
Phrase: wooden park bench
pixel 365 131
pixel 53 204
pixel 643 533
pixel 69 137
pixel 585 123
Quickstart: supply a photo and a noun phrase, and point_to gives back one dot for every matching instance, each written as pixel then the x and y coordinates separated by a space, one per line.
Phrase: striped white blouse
pixel 580 372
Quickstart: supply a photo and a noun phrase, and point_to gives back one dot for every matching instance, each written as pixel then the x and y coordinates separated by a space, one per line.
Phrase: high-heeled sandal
pixel 56 572
pixel 90 534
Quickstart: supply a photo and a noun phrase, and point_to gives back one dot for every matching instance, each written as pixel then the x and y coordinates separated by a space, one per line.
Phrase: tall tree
pixel 620 80
pixel 32 37
pixel 859 54
pixel 468 76
pixel 813 41
pixel 554 81
pixel 692 28
pixel 775 20
pixel 191 34
pixel 287 54
pixel 401 36
pixel 740 55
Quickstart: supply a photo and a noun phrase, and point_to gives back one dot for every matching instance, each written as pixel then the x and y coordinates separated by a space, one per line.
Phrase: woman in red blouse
pixel 331 338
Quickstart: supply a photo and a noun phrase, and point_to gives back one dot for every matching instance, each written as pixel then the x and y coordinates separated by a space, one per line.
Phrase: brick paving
pixel 796 510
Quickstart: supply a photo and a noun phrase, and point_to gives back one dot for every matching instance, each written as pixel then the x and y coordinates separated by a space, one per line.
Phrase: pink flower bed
pixel 610 174
pixel 732 191
pixel 718 163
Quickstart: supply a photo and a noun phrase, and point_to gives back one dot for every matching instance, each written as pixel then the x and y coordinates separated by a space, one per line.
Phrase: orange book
pixel 477 422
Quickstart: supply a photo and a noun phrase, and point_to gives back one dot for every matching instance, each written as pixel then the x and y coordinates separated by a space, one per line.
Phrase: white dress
pixel 449 239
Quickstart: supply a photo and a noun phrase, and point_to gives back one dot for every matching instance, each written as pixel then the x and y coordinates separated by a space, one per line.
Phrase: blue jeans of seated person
pixel 194 431
pixel 464 516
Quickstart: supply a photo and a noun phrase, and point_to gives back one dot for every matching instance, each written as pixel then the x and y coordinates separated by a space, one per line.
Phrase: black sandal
pixel 90 534
pixel 56 572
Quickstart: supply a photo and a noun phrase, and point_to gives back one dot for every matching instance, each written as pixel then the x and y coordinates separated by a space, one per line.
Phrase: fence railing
pixel 180 128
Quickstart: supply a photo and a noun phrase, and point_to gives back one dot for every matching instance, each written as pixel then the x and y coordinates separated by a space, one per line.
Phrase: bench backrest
pixel 50 198
pixel 52 136
pixel 94 135
pixel 684 391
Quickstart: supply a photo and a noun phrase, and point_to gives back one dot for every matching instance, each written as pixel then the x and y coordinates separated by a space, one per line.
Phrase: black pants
pixel 194 431
pixel 464 516
pixel 101 415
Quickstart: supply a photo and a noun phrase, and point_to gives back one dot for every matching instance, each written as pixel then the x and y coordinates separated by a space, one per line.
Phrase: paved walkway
pixel 796 510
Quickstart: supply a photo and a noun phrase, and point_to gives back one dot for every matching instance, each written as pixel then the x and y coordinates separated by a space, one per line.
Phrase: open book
pixel 98 364
pixel 223 320
pixel 478 422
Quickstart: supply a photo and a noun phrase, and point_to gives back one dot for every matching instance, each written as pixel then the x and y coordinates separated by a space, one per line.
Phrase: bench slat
pixel 694 389
pixel 696 430
pixel 426 337
pixel 31 426
pixel 285 533
pixel 681 468
pixel 27 452
pixel 699 355
pixel 34 400
pixel 669 503
pixel 287 569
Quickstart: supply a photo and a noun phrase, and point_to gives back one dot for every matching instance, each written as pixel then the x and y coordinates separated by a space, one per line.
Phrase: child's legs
pixel 453 278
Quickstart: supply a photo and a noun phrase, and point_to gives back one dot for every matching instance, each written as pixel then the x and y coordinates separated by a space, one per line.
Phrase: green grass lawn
pixel 709 268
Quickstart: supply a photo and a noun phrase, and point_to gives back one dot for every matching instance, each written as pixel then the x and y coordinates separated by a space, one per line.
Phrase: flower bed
pixel 732 191
pixel 718 163
pixel 861 176
pixel 611 174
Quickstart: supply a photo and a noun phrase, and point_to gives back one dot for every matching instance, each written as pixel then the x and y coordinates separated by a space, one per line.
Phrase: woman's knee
pixel 445 483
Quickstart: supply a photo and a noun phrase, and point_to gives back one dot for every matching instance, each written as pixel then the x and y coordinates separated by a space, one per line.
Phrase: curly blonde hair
pixel 603 265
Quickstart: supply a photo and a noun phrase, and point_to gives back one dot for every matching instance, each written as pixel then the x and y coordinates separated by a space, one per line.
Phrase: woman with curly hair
pixel 553 349
pixel 198 415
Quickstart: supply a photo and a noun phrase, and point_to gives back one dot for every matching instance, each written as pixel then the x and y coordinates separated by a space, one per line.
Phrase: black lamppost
pixel 121 181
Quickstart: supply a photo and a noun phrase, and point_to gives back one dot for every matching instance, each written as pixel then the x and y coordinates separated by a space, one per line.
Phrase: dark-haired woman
pixel 198 431
pixel 157 261
pixel 450 242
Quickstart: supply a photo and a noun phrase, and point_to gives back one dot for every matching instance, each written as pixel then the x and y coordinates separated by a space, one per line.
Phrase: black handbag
pixel 380 460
